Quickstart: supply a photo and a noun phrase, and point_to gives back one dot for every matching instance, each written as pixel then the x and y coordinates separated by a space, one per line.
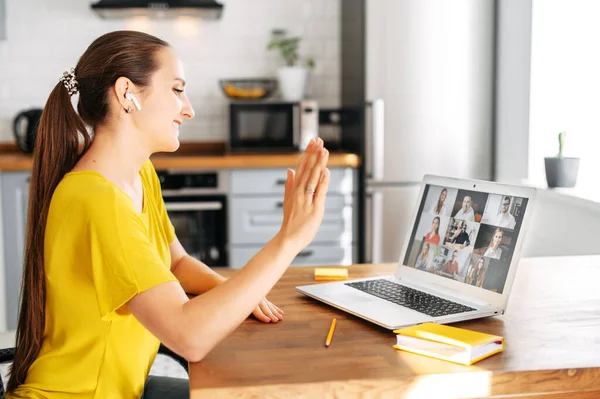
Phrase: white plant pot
pixel 292 82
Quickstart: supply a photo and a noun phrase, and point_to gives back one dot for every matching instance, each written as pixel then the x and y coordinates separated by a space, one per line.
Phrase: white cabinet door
pixel 256 220
pixel 312 255
pixel 15 198
pixel 272 181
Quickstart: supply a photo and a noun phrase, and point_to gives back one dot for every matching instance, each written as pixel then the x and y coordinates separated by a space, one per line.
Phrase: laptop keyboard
pixel 417 300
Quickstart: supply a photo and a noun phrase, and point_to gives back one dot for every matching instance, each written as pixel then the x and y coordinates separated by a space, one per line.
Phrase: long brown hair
pixel 437 230
pixel 479 271
pixel 61 140
pixel 440 203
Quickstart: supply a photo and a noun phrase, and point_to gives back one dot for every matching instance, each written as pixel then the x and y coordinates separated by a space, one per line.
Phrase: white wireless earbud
pixel 129 95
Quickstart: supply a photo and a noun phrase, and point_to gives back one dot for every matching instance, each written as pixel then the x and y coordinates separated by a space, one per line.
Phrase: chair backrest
pixel 7 355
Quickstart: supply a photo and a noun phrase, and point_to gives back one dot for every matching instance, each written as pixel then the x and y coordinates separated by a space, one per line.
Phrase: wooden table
pixel 552 331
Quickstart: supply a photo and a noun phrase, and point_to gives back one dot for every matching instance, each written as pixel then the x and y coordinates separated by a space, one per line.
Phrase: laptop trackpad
pixel 347 295
pixel 372 306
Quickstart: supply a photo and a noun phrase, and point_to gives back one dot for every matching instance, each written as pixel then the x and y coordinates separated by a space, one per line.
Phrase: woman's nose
pixel 187 111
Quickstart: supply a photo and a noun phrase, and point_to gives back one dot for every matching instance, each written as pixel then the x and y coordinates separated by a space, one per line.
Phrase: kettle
pixel 25 128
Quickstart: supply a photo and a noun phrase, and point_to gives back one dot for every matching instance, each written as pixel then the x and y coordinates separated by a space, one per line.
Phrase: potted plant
pixel 292 77
pixel 561 171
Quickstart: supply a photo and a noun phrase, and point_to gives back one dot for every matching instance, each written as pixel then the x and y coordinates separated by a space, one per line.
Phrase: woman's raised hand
pixel 304 198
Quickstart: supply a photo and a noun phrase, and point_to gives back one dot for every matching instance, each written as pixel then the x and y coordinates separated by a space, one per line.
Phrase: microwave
pixel 272 126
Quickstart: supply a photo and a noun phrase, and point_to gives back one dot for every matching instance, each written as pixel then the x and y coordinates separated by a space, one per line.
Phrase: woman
pixel 433 237
pixel 105 278
pixel 494 250
pixel 439 208
pixel 423 258
pixel 476 274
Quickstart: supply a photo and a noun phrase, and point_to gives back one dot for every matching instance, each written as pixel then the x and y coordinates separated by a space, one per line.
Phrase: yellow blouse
pixel 99 253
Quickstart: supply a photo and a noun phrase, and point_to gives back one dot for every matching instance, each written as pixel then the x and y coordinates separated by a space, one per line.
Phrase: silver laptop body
pixel 461 268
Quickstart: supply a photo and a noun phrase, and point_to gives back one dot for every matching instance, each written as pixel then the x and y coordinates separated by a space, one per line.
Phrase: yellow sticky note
pixel 331 273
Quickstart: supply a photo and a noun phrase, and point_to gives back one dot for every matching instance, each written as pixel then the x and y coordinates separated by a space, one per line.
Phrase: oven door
pixel 264 127
pixel 200 224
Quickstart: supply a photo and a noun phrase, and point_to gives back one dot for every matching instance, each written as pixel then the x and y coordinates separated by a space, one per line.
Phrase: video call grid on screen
pixel 466 235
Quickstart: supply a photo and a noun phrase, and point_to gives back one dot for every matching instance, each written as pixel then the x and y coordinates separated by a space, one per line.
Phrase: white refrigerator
pixel 429 82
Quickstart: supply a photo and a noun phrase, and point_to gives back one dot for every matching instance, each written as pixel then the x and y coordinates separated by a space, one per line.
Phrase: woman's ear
pixel 120 89
pixel 124 91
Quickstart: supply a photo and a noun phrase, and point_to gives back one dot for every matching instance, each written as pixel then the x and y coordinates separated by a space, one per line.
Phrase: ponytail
pixel 61 139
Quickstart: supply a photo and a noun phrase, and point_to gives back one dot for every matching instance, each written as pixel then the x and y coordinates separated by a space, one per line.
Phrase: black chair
pixel 7 355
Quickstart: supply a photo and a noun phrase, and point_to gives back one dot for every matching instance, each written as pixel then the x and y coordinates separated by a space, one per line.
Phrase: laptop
pixel 458 262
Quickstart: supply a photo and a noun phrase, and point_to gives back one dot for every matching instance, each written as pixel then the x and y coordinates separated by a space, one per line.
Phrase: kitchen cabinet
pixel 256 219
pixel 15 196
pixel 261 182
pixel 312 255
pixel 256 213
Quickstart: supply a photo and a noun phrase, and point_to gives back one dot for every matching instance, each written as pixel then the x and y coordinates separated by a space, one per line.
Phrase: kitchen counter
pixel 233 161
pixel 15 161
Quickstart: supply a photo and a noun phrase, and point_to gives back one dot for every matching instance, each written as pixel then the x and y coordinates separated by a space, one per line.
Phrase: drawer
pixel 272 181
pixel 313 255
pixel 257 220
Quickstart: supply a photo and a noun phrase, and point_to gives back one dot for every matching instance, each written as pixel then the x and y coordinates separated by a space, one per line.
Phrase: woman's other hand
pixel 304 198
pixel 267 312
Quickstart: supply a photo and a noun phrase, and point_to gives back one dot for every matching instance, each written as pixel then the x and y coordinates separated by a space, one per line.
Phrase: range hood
pixel 206 9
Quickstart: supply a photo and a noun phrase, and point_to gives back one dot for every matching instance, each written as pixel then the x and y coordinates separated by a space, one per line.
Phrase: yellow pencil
pixel 331 330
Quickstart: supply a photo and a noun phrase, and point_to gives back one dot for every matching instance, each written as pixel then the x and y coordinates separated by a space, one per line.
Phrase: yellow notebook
pixel 331 273
pixel 453 344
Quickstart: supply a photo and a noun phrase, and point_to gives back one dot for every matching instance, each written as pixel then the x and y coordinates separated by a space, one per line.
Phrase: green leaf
pixel 287 46
pixel 561 143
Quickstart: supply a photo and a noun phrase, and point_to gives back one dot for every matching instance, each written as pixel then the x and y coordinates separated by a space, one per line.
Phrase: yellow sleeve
pixel 124 261
pixel 150 174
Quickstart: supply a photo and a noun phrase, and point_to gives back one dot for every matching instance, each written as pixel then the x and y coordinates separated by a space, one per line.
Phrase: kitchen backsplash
pixel 46 37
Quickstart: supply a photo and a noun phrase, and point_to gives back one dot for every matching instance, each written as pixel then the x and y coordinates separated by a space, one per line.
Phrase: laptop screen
pixel 466 235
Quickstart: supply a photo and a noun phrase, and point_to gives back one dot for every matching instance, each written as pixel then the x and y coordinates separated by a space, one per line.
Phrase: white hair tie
pixel 70 82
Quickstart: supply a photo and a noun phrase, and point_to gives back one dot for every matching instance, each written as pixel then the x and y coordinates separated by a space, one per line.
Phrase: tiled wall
pixel 46 37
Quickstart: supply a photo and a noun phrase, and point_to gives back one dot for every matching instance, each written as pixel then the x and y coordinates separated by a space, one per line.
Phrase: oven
pixel 196 203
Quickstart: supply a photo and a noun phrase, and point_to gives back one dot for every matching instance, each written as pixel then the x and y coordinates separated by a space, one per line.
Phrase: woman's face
pixel 164 104
pixel 443 196
pixel 435 225
pixel 497 239
pixel 480 264
pixel 425 249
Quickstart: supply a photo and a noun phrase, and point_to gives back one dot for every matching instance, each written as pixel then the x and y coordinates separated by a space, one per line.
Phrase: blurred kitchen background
pixel 44 38
pixel 397 89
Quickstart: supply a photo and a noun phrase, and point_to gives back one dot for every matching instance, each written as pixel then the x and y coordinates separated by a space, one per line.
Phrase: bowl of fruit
pixel 248 89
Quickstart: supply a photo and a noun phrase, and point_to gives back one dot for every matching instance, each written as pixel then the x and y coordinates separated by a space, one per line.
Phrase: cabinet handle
pixel 280 182
pixel 28 179
pixel 279 204
pixel 305 254
pixel 194 206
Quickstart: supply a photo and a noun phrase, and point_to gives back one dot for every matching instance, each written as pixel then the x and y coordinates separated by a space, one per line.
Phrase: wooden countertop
pixel 234 161
pixel 24 162
pixel 552 348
